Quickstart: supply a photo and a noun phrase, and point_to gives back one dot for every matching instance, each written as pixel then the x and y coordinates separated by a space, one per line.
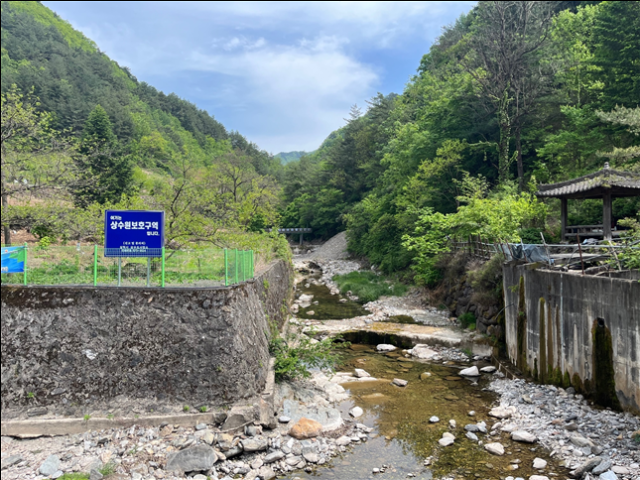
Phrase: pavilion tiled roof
pixel 614 182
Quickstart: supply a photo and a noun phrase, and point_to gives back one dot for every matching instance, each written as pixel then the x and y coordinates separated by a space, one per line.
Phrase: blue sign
pixel 12 259
pixel 132 233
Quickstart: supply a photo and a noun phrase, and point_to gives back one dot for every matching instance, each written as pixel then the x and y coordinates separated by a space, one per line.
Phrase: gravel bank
pixel 590 441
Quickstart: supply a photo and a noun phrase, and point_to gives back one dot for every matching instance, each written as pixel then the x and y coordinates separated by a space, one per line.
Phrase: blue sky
pixel 284 74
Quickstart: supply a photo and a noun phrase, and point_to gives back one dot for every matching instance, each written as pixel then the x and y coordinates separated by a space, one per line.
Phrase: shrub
pixel 368 286
pixel 467 319
pixel 296 355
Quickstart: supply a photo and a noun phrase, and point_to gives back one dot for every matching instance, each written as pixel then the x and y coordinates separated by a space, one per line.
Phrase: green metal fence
pixel 87 265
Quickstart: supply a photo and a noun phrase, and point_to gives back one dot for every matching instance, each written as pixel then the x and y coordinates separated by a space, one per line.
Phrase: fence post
pixel 236 275
pixel 226 267
pixel 25 264
pixel 95 265
pixel 162 283
pixel 244 266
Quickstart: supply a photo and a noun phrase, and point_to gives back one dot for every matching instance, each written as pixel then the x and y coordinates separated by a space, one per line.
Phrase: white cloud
pixel 307 88
pixel 283 73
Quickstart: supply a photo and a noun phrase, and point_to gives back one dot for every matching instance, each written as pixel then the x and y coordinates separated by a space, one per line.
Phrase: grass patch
pixel 368 286
pixel 468 320
pixel 636 438
pixel 108 469
pixel 75 476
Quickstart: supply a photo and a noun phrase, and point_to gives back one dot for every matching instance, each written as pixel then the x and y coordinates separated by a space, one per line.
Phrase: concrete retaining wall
pixel 69 350
pixel 551 324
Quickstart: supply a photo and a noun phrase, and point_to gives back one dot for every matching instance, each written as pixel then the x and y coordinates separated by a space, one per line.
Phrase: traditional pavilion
pixel 606 184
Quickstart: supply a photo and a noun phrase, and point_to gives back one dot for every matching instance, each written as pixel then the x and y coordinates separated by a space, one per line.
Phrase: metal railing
pixel 555 255
pixel 88 265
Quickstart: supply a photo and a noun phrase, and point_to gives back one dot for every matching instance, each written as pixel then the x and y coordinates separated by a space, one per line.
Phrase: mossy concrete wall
pixel 558 327
pixel 70 350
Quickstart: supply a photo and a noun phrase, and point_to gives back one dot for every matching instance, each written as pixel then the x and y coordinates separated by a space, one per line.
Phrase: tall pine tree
pixel 106 173
pixel 616 35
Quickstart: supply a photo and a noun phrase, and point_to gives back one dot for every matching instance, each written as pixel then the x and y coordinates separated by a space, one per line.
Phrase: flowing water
pixel 403 436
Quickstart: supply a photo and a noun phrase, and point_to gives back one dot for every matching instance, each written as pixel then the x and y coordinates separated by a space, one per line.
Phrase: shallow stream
pixel 328 307
pixel 404 437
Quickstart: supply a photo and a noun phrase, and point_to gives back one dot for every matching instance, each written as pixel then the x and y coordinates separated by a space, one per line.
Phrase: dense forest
pixel 80 134
pixel 513 94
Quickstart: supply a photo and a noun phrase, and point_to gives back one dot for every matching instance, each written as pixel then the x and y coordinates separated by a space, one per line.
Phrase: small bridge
pixel 294 231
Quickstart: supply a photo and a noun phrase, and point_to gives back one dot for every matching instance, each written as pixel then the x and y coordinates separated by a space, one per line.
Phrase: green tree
pixel 617 40
pixel 34 157
pixel 106 173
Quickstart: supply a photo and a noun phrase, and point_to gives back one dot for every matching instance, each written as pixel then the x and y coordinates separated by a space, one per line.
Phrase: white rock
pixel 539 464
pixel 470 372
pixel 608 476
pixel 361 373
pixel 620 470
pixel 400 383
pixel 538 477
pixel 385 348
pixel 305 301
pixel 502 412
pixel 356 412
pixel 453 424
pixel 523 437
pixel 423 352
pixel 434 419
pixel 343 441
pixel 447 441
pixel 488 369
pixel 494 448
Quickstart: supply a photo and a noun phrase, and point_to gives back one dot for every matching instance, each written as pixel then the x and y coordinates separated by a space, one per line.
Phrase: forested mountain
pixel 512 94
pixel 288 157
pixel 110 138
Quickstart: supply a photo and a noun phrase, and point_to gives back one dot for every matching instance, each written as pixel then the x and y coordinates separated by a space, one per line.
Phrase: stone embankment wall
pixel 67 348
pixel 460 296
pixel 574 330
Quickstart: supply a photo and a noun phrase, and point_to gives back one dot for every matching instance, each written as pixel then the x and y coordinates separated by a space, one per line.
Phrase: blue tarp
pixel 530 253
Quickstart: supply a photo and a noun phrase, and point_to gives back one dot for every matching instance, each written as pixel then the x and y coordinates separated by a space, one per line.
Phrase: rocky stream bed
pixel 431 412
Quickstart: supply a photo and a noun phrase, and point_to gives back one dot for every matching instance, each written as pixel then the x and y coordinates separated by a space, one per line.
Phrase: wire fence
pixel 88 265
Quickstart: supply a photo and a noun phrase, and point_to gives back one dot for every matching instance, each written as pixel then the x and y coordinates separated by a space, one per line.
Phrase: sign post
pixel 134 233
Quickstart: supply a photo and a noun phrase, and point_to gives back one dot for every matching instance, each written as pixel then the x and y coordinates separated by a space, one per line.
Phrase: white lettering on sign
pixel 135 225
pixel 5 269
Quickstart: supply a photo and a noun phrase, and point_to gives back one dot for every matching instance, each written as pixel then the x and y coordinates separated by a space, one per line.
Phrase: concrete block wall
pixel 551 320
pixel 73 349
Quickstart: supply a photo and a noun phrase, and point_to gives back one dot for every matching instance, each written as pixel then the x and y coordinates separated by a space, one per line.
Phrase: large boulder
pixel 306 429
pixel 423 352
pixel 195 459
pixel 50 466
pixel 470 372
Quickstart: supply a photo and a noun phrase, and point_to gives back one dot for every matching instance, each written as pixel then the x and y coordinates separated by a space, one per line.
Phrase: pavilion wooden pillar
pixel 606 216
pixel 564 217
